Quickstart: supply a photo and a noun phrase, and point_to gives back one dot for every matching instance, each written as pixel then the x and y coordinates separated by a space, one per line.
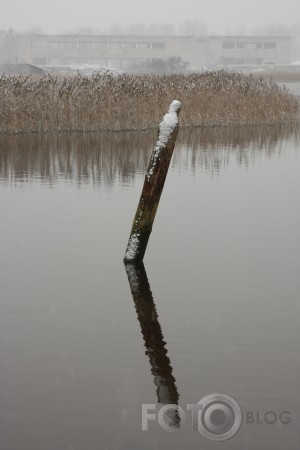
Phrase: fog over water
pixel 218 16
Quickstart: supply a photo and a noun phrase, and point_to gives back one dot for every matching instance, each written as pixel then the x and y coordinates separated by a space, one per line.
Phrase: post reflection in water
pixel 161 368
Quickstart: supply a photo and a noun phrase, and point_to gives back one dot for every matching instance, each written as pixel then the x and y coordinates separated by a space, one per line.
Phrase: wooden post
pixel 153 185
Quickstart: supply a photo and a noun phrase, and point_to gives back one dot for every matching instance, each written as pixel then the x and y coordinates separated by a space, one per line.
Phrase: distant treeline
pixel 137 102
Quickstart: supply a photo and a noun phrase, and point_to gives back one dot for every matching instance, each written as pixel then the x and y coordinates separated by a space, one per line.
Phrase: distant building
pixel 249 50
pixel 125 52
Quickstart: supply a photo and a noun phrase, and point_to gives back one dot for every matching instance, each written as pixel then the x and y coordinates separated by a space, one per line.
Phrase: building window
pixel 228 45
pixel 113 45
pixel 54 61
pixel 55 44
pixel 69 61
pixel 227 61
pixel 142 45
pixel 101 62
pixel 233 45
pixel 83 61
pixel 39 61
pixel 115 63
pixel 70 44
pixel 253 61
pixel 158 45
pixel 250 45
pixel 84 45
pixel 128 44
pixel 270 45
pixel 127 63
pixel 259 45
pixel 99 45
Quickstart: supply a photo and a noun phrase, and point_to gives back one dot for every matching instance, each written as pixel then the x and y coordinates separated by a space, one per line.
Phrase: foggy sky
pixel 59 16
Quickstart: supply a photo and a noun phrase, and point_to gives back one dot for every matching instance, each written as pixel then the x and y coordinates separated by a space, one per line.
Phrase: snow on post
pixel 153 185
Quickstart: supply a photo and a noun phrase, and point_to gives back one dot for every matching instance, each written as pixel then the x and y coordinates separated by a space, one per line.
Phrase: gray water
pixel 84 342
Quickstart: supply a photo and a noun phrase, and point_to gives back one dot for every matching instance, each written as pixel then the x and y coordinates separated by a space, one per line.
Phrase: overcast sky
pixel 55 16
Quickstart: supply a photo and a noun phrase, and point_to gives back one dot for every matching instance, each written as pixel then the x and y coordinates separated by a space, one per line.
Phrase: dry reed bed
pixel 135 102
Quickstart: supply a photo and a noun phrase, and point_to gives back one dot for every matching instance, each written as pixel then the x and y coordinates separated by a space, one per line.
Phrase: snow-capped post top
pixel 165 130
pixel 169 122
pixel 153 185
pixel 175 107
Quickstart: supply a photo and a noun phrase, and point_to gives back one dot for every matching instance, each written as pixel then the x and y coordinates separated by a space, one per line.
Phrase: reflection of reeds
pixel 215 148
pixel 135 102
pixel 238 137
pixel 98 158
pixel 102 158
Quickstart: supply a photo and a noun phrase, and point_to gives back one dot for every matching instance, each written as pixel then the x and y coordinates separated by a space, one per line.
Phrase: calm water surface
pixel 216 309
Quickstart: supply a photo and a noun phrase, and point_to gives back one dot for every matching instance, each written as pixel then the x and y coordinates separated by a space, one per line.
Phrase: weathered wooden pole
pixel 153 185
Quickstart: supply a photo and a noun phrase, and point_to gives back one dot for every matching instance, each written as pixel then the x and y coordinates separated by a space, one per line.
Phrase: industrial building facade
pixel 124 52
